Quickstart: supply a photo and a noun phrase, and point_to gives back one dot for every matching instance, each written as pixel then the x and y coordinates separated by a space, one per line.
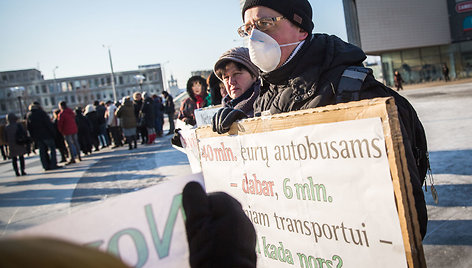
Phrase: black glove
pixel 224 118
pixel 176 138
pixel 219 234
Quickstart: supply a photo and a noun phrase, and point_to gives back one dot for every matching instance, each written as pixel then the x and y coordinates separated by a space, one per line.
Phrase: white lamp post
pixel 112 74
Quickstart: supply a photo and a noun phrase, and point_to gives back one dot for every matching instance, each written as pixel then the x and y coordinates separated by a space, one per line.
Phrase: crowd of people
pixel 78 132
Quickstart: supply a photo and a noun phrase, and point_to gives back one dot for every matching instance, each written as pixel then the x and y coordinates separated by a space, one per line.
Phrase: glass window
pixel 108 80
pixel 72 99
pixel 120 79
pixel 44 89
pixel 410 54
pixel 37 89
pixel 430 51
pixel 466 46
pixel 46 102
pixel 53 100
pixel 3 106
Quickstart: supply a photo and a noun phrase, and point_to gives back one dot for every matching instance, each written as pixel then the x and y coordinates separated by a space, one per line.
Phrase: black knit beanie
pixel 299 12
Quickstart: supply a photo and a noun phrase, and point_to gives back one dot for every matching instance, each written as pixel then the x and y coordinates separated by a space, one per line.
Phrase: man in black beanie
pixel 301 70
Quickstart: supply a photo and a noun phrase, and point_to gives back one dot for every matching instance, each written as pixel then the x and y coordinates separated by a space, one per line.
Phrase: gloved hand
pixel 219 234
pixel 225 117
pixel 176 138
pixel 189 121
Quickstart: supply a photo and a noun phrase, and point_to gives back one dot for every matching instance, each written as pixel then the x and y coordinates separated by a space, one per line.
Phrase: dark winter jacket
pixel 158 109
pixel 245 102
pixel 39 124
pixel 100 109
pixel 310 80
pixel 126 114
pixel 94 122
pixel 9 133
pixel 148 113
pixel 138 105
pixel 169 107
pixel 84 133
pixel 66 122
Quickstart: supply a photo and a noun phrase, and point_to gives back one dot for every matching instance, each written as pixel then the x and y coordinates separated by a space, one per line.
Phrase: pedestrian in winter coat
pixel 398 80
pixel 15 150
pixel 169 110
pixel 103 136
pixel 84 133
pixel 149 117
pixel 94 122
pixel 43 133
pixel 68 128
pixel 241 80
pixel 140 121
pixel 159 114
pixel 306 72
pixel 198 98
pixel 128 121
pixel 113 124
pixel 59 139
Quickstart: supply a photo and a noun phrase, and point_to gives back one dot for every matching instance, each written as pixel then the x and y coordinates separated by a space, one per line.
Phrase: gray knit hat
pixel 237 54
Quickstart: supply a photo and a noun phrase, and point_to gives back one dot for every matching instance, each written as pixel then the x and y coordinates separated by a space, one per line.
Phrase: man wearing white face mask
pixel 301 70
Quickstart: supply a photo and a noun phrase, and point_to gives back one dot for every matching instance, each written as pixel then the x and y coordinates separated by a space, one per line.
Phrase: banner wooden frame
pixel 384 108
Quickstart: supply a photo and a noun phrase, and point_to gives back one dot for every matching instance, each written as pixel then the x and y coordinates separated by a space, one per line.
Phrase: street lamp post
pixel 112 74
pixel 164 80
pixel 21 107
pixel 54 74
pixel 140 79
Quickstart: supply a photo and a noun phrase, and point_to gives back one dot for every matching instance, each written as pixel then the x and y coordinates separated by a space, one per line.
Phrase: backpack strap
pixel 350 84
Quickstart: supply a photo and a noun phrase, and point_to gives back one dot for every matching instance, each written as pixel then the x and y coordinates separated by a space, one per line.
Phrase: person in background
pixel 198 98
pixel 3 144
pixel 398 81
pixel 103 137
pixel 68 128
pixel 58 138
pixel 94 123
pixel 128 122
pixel 113 124
pixel 43 133
pixel 159 115
pixel 241 80
pixel 217 89
pixel 169 110
pixel 138 106
pixel 445 72
pixel 16 150
pixel 149 117
pixel 84 133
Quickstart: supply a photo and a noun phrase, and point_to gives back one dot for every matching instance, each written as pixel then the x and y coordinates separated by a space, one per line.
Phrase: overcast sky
pixel 183 35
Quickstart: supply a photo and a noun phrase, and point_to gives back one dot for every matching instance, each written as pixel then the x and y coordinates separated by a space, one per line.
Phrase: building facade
pixel 416 38
pixel 20 88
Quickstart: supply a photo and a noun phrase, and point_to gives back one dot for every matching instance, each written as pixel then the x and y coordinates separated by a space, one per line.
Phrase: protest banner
pixel 203 116
pixel 325 187
pixel 145 228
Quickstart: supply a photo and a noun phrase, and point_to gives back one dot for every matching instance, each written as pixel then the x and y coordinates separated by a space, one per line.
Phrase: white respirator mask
pixel 264 51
